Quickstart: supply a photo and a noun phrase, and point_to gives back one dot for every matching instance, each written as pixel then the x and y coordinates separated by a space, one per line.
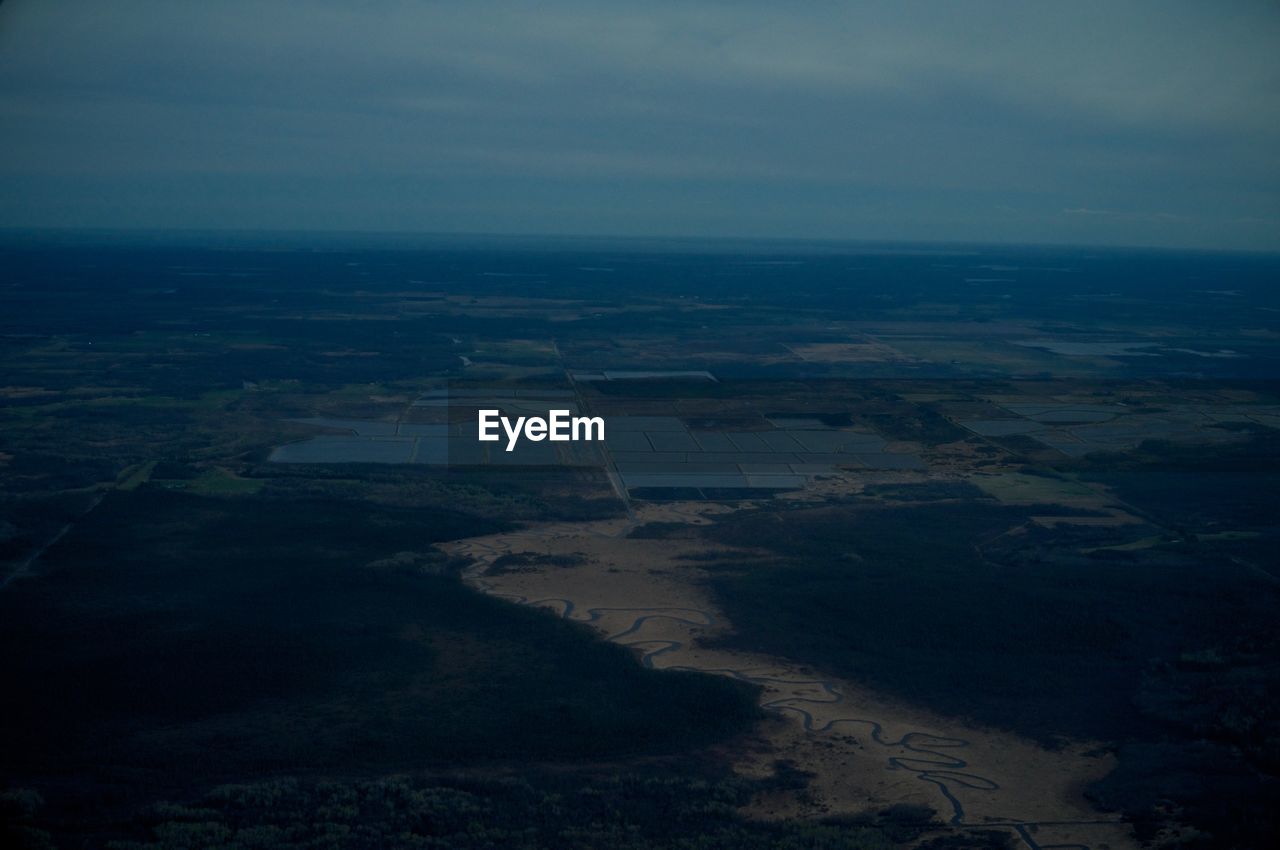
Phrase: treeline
pixel 1170 652
pixel 566 812
pixel 181 641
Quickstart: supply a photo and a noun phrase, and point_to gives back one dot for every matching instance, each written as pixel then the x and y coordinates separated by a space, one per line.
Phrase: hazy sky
pixel 1134 123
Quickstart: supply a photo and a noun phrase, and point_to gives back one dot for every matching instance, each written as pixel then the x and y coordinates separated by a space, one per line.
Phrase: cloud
pixel 1087 211
pixel 831 119
pixel 1134 216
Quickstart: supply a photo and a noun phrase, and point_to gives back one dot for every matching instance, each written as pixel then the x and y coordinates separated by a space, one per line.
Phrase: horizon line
pixel 173 236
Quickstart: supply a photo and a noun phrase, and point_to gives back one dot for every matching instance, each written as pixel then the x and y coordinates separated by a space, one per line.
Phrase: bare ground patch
pixel 862 749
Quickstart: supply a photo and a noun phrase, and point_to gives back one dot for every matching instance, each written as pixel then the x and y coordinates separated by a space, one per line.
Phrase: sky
pixel 1127 123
